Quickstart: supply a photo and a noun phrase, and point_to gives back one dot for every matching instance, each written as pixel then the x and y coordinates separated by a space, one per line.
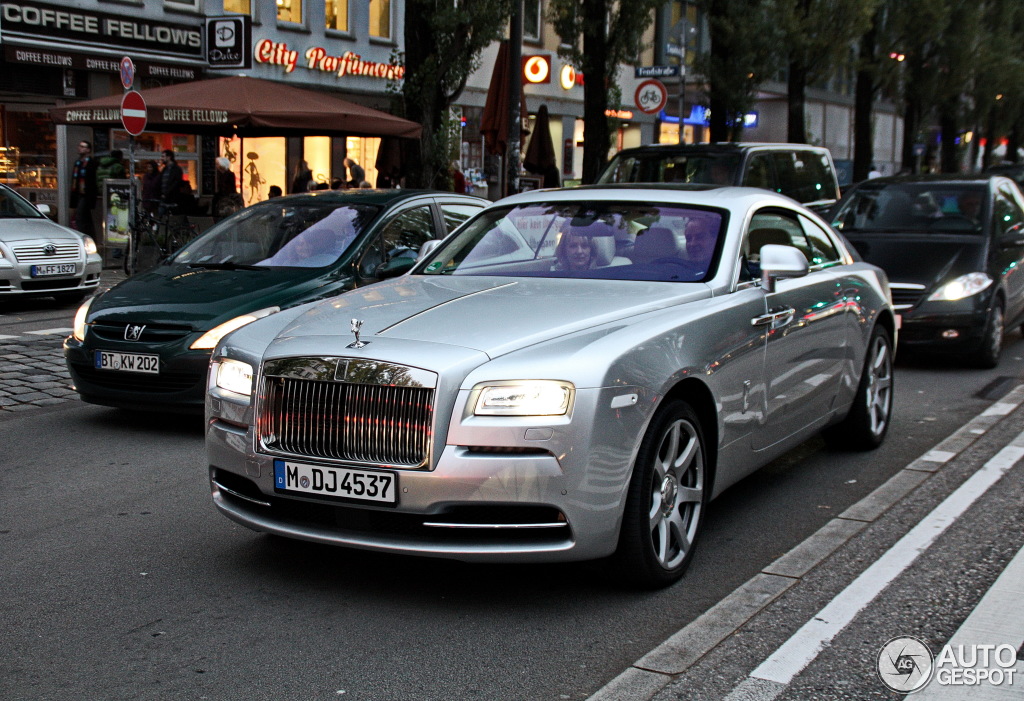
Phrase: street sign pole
pixel 127 80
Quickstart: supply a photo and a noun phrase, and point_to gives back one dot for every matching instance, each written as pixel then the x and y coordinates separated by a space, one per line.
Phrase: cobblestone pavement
pixel 33 373
pixel 32 369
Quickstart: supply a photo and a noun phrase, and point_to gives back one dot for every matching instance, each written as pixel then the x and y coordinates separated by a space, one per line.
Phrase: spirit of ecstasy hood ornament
pixel 355 326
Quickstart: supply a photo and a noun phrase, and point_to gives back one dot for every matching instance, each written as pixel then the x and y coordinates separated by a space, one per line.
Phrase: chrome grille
pixel 36 253
pixel 346 409
pixel 906 294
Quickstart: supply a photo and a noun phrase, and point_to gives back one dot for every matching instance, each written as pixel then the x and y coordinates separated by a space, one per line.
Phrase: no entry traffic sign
pixel 133 112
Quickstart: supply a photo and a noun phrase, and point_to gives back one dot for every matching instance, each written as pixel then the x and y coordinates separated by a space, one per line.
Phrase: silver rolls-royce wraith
pixel 571 375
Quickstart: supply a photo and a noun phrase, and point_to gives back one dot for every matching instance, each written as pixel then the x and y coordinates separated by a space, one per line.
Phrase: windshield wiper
pixel 228 266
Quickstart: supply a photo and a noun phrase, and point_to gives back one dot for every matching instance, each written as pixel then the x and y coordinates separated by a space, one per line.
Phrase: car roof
pixel 721 196
pixel 947 178
pixel 717 147
pixel 369 196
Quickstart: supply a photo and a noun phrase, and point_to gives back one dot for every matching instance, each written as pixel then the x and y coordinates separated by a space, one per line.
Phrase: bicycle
pixel 153 237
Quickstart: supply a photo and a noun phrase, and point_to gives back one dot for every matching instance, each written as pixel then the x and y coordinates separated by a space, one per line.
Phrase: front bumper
pixel 961 331
pixel 179 387
pixel 16 280
pixel 530 493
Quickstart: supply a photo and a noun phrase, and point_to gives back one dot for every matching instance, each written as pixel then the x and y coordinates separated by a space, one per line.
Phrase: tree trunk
pixel 910 122
pixel 595 92
pixel 948 154
pixel 719 125
pixel 797 84
pixel 864 100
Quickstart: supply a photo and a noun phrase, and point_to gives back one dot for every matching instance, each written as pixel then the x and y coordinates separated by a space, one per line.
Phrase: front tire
pixel 868 420
pixel 987 356
pixel 665 505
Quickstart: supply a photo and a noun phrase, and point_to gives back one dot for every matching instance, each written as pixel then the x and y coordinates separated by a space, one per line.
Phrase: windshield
pixel 707 169
pixel 14 206
pixel 596 240
pixel 299 234
pixel 914 207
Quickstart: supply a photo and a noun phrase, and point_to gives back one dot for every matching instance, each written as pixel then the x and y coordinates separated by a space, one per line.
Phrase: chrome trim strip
pixel 442 524
pixel 233 493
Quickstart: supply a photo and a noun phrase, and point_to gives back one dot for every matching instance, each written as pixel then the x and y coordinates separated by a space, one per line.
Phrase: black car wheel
pixel 867 422
pixel 992 344
pixel 666 500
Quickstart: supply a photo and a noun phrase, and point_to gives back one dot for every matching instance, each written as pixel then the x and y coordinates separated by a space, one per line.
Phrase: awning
pixel 244 106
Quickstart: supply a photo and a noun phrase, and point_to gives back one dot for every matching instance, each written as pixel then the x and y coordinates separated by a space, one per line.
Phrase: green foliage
pixel 443 43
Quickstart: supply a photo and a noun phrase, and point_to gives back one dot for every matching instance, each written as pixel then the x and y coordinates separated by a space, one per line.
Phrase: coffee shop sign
pixel 317 59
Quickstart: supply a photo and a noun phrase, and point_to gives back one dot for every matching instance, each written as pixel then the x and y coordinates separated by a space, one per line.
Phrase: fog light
pixel 950 334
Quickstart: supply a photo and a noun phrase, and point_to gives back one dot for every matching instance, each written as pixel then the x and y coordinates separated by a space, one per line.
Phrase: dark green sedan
pixel 146 343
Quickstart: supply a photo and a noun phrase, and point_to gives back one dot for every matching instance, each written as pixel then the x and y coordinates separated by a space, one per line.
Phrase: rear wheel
pixel 866 424
pixel 665 505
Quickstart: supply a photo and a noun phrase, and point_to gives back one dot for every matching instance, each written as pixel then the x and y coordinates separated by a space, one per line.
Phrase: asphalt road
pixel 122 582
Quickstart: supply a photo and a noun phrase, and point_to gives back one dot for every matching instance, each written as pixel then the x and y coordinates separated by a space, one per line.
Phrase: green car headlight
pixel 211 338
pixel 78 328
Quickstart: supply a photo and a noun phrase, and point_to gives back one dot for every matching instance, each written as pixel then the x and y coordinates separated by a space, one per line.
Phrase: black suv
pixel 805 173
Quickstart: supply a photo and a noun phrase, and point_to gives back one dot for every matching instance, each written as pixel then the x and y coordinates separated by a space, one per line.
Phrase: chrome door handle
pixel 777 316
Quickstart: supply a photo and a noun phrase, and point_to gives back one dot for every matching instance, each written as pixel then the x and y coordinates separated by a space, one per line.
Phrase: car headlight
pixel 528 398
pixel 235 376
pixel 211 338
pixel 963 286
pixel 78 330
pixel 90 246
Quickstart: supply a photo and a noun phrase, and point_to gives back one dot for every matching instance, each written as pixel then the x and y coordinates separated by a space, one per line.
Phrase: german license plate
pixel 127 362
pixel 52 269
pixel 338 482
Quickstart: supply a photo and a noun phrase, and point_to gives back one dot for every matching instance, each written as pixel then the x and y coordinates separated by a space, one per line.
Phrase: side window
pixel 823 249
pixel 455 214
pixel 759 173
pixel 1007 213
pixel 802 176
pixel 401 237
pixel 777 228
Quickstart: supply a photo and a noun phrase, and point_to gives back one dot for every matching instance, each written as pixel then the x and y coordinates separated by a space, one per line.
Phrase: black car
pixel 953 248
pixel 805 173
pixel 146 343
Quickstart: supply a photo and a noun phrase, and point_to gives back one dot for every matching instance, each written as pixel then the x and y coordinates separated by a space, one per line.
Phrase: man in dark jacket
pixel 170 181
pixel 83 189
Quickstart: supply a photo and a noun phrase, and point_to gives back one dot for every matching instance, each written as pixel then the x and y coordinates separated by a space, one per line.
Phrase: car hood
pixel 17 230
pixel 200 297
pixel 920 259
pixel 491 314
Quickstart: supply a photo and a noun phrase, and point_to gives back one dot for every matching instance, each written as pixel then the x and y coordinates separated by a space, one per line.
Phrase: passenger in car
pixel 701 235
pixel 574 252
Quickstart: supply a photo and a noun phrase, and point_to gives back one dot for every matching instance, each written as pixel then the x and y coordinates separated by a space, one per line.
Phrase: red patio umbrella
pixel 540 154
pixel 494 122
pixel 244 106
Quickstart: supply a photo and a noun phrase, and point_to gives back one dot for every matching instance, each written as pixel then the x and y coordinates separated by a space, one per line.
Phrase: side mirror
pixel 427 247
pixel 1012 237
pixel 44 209
pixel 779 262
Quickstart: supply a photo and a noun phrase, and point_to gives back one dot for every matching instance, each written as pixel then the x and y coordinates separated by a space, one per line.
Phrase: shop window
pixel 380 19
pixel 337 15
pixel 242 7
pixel 531 20
pixel 289 11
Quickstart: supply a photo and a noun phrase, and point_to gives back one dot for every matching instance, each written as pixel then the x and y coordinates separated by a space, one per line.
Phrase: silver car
pixel 39 258
pixel 571 375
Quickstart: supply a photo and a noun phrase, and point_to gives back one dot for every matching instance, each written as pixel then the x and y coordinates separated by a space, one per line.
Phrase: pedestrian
pixel 170 182
pixel 274 191
pixel 225 196
pixel 365 185
pixel 303 177
pixel 150 186
pixel 874 173
pixel 356 174
pixel 83 189
pixel 339 184
pixel 458 178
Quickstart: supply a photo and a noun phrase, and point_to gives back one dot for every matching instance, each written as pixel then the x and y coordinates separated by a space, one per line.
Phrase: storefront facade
pixel 55 54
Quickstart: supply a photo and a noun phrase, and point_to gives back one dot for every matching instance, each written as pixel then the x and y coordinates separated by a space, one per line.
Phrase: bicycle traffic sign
pixel 133 112
pixel 651 96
